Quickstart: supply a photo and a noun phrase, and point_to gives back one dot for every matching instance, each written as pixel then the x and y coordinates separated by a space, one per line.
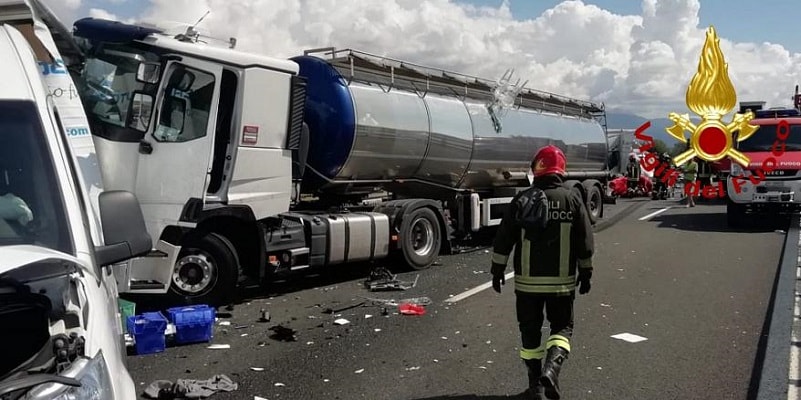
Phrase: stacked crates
pixel 147 330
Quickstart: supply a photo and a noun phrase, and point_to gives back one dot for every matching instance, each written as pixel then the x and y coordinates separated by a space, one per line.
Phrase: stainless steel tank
pixel 362 132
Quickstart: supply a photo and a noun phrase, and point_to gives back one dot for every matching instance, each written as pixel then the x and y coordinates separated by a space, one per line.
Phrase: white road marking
pixel 655 213
pixel 795 336
pixel 477 289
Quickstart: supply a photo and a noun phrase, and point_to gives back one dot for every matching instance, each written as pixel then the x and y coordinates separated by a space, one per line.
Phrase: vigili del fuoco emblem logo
pixel 711 95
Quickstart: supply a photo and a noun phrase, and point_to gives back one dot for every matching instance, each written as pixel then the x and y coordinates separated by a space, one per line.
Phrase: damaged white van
pixel 60 332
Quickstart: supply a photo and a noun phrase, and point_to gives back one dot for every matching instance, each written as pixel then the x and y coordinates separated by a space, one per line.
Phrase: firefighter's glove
pixel 584 282
pixel 498 278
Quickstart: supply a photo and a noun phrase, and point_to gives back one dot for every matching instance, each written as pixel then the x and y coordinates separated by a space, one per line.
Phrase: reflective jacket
pixel 547 265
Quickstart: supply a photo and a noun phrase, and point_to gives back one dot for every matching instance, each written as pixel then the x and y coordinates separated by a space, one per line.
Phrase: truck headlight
pixel 736 169
pixel 95 382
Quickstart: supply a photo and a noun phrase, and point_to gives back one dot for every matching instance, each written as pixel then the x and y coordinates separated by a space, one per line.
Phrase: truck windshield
pixel 764 138
pixel 110 85
pixel 31 206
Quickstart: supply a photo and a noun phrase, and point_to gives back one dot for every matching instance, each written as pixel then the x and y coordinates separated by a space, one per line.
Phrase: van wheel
pixel 206 272
pixel 595 203
pixel 421 238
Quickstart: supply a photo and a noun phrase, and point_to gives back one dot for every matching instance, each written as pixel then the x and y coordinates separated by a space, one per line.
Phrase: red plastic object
pixel 411 309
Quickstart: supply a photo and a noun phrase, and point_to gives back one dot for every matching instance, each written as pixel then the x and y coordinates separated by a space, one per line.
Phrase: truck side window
pixel 185 107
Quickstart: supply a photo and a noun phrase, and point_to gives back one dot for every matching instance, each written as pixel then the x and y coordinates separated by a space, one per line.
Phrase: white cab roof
pixel 17 78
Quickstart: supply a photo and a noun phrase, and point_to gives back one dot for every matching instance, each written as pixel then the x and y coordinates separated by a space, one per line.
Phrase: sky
pixel 635 56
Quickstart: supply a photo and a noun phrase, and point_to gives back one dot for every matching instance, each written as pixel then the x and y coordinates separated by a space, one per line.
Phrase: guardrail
pixel 773 357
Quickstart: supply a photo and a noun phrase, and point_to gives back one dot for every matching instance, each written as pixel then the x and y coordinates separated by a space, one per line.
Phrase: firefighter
pixel 548 265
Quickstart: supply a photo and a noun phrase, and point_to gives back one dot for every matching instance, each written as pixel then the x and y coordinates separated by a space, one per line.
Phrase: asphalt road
pixel 697 291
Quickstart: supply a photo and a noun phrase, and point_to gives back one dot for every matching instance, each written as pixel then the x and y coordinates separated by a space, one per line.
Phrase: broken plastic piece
pixel 411 309
pixel 265 316
pixel 219 347
pixel 341 321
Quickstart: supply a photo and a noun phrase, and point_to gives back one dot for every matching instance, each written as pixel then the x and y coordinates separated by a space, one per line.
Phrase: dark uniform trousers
pixel 530 317
pixel 546 267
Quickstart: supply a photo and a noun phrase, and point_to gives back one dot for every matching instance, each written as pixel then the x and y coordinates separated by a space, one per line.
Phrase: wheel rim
pixel 594 209
pixel 422 236
pixel 193 273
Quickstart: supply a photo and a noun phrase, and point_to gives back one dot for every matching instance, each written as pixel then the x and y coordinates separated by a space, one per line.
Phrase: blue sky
pixel 742 21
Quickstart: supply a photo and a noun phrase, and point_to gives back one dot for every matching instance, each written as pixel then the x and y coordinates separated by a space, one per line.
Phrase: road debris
pixel 225 323
pixel 219 347
pixel 381 279
pixel 339 310
pixel 257 369
pixel 283 334
pixel 190 388
pixel 629 337
pixel 411 309
pixel 265 316
pixel 279 384
pixel 341 321
pixel 359 371
pixel 412 368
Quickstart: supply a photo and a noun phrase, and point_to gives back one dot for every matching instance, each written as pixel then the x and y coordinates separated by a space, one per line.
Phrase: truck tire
pixel 595 203
pixel 206 271
pixel 421 238
pixel 735 215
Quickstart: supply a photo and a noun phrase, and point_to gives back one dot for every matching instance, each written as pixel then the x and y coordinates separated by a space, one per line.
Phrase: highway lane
pixel 702 317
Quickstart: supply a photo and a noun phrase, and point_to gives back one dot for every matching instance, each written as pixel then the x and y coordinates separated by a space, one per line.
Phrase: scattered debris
pixel 279 384
pixel 341 321
pixel 225 323
pixel 257 369
pixel 411 309
pixel 605 305
pixel 241 327
pixel 412 368
pixel 258 398
pixel 423 301
pixel 283 334
pixel 335 311
pixel 359 371
pixel 265 316
pixel 631 338
pixel 382 279
pixel 366 316
pixel 219 347
pixel 190 388
pixel 377 330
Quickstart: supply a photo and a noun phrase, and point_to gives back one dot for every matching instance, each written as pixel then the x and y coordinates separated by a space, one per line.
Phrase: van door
pixel 175 159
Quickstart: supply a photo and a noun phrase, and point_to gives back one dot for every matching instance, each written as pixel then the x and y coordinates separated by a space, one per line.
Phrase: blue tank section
pixel 329 114
pixel 101 30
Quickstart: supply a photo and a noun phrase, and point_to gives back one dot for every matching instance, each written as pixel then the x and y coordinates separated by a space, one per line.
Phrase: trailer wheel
pixel 595 203
pixel 421 238
pixel 206 272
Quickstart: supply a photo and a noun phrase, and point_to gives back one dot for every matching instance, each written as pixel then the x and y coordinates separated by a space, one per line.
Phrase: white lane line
pixel 655 213
pixel 477 289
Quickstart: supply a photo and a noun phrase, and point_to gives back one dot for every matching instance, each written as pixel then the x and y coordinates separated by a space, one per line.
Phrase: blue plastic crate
pixel 148 332
pixel 193 324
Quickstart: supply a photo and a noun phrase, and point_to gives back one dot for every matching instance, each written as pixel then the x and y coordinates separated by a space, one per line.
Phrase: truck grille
pixel 297 103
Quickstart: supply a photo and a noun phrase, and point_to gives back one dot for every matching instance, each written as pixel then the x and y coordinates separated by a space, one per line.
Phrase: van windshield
pixel 31 205
pixel 763 138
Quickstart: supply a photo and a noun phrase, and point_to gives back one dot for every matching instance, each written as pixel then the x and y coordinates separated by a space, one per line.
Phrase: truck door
pixel 175 158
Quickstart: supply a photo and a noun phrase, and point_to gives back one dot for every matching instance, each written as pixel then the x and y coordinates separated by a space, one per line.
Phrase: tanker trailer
pixel 405 159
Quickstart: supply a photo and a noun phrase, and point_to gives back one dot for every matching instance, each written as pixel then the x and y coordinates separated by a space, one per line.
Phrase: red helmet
pixel 549 160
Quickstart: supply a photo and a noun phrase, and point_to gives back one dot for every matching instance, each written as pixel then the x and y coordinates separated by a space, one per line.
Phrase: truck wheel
pixel 595 203
pixel 206 272
pixel 735 214
pixel 421 238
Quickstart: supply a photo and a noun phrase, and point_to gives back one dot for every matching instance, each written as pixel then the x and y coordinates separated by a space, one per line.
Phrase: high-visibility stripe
pixel 558 340
pixel 554 289
pixel 585 262
pixel 564 249
pixel 545 280
pixel 525 252
pixel 533 354
pixel 498 258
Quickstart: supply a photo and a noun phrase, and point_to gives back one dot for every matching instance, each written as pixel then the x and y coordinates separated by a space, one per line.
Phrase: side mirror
pixel 148 72
pixel 124 230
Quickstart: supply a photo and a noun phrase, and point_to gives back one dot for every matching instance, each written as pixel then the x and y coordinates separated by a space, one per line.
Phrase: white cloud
pixel 102 14
pixel 636 63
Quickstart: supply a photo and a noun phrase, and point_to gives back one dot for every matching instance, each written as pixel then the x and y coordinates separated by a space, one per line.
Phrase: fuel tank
pixel 363 132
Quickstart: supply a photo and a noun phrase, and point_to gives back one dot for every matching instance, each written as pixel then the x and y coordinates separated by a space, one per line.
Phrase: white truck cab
pixel 62 335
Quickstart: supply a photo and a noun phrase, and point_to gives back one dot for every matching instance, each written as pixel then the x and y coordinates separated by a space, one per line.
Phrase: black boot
pixel 535 389
pixel 550 371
